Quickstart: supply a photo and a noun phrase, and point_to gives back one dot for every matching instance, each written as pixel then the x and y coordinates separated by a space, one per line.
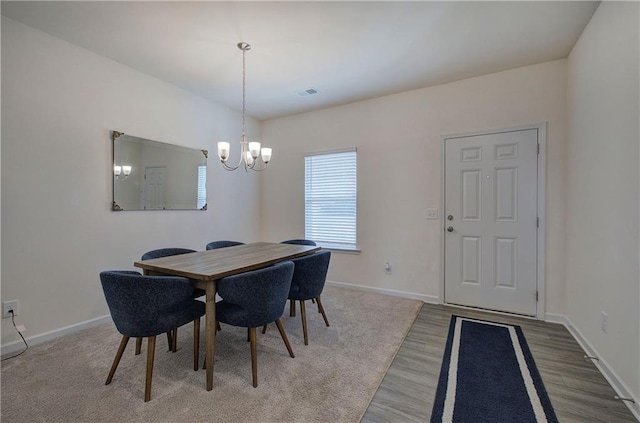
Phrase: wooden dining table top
pixel 216 264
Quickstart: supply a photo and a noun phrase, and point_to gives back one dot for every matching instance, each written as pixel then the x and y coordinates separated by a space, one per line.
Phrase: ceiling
pixel 347 51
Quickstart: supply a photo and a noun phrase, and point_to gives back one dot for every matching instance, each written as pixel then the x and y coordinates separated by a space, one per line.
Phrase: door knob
pixel 449 228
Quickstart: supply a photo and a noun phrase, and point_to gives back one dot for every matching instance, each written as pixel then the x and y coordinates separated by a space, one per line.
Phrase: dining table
pixel 205 268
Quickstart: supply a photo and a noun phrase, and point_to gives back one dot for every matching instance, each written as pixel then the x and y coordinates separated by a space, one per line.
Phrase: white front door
pixel 490 221
pixel 154 188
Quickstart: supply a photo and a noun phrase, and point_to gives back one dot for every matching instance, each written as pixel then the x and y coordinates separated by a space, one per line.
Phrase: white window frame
pixel 321 232
pixel 201 195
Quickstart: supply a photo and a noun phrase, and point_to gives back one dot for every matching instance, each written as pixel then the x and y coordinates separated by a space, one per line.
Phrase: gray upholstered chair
pixel 165 252
pixel 222 244
pixel 172 337
pixel 300 242
pixel 309 276
pixel 146 306
pixel 292 305
pixel 254 299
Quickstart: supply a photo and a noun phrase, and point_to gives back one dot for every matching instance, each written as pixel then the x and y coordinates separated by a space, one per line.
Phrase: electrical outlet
pixel 387 268
pixel 604 322
pixel 9 305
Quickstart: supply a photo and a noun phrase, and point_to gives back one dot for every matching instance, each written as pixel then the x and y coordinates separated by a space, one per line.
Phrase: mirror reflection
pixel 152 175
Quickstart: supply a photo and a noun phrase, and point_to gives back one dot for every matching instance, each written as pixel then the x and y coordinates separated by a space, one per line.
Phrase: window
pixel 202 187
pixel 330 194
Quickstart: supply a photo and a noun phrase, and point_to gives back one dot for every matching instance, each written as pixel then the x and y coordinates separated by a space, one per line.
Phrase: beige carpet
pixel 330 380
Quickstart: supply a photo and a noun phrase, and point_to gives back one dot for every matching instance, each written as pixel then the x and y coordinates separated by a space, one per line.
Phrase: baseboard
pixel 556 318
pixel 424 298
pixel 601 364
pixel 14 347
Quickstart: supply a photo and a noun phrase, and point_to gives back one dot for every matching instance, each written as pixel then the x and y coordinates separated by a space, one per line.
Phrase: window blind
pixel 330 198
pixel 202 186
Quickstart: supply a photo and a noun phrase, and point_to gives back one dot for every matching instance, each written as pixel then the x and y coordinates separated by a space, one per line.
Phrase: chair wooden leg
pixel 151 349
pixel 218 327
pixel 196 343
pixel 292 308
pixel 284 337
pixel 254 356
pixel 170 340
pixel 303 313
pixel 264 329
pixel 138 345
pixel 116 361
pixel 175 340
pixel 248 334
pixel 321 310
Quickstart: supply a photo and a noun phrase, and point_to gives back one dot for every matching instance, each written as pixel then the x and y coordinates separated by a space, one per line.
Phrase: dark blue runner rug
pixel 488 376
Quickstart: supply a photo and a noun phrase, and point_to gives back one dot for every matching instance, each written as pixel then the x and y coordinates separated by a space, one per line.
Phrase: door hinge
pixel 537 222
pixel 538 149
pixel 536 296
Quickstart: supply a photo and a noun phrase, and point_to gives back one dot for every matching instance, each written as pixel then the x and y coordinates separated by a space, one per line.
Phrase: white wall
pixel 399 149
pixel 602 187
pixel 59 103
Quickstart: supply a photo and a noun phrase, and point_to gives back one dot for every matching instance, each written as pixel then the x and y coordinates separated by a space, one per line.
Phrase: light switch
pixel 432 213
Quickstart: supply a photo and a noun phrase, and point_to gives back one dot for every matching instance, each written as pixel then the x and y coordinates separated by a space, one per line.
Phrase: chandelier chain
pixel 244 52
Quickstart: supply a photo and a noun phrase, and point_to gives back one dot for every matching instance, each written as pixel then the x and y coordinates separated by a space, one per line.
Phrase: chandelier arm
pixel 257 169
pixel 227 167
pixel 240 161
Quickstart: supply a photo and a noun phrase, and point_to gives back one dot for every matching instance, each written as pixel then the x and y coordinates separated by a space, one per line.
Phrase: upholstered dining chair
pixel 292 303
pixel 172 337
pixel 146 306
pixel 300 242
pixel 309 276
pixel 254 299
pixel 222 244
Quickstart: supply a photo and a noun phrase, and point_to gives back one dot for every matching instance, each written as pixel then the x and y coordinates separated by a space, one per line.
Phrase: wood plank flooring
pixel 578 392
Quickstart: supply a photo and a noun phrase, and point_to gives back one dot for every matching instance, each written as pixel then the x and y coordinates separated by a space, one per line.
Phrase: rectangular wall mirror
pixel 152 175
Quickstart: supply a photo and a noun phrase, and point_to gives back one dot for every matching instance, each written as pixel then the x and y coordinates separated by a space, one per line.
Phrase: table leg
pixel 210 331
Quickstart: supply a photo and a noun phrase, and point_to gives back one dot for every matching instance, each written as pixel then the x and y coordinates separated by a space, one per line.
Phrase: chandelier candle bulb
pixel 248 157
pixel 223 150
pixel 266 154
pixel 254 148
pixel 121 170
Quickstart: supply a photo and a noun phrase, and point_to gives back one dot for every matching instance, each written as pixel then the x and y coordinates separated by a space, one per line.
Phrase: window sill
pixel 340 250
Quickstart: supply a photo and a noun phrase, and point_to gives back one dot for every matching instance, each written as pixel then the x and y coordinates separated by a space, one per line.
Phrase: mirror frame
pixel 114 205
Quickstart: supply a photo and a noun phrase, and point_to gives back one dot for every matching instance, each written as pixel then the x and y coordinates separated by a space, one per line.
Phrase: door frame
pixel 541 196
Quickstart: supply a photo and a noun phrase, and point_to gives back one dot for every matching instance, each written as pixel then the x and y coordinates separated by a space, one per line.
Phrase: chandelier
pixel 123 171
pixel 249 151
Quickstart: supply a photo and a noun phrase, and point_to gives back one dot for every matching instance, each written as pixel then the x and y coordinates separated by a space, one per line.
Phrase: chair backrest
pixel 136 301
pixel 261 294
pixel 299 242
pixel 165 252
pixel 222 244
pixel 309 275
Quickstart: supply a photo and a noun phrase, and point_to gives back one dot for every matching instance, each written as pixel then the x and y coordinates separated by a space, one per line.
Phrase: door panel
pixel 471 259
pixel 491 192
pixel 154 188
